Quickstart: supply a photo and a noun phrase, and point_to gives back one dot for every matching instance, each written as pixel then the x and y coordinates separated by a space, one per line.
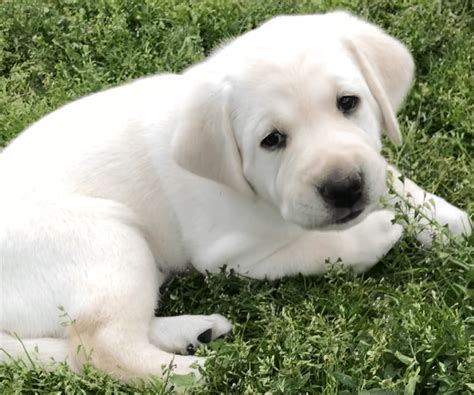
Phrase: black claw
pixel 206 336
pixel 190 349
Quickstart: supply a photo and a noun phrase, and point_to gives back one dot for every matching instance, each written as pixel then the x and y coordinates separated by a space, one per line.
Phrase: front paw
pixel 438 213
pixel 375 237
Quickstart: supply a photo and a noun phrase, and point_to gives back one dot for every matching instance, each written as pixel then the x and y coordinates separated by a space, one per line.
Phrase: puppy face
pixel 292 112
pixel 309 137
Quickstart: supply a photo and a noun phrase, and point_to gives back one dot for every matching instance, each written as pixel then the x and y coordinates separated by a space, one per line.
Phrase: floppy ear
pixel 387 67
pixel 204 141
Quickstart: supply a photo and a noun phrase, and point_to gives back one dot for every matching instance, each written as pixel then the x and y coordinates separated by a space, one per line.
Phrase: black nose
pixel 342 192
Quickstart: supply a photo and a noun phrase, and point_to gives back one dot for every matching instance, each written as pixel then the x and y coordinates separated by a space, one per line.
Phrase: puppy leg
pixel 44 351
pixel 360 247
pixel 122 349
pixel 185 333
pixel 90 257
pixel 431 207
pixel 113 328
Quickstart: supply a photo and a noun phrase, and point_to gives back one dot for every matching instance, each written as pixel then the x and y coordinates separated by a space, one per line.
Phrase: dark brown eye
pixel 347 104
pixel 274 140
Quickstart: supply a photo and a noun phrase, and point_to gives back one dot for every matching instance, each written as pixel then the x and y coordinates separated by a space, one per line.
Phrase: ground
pixel 404 327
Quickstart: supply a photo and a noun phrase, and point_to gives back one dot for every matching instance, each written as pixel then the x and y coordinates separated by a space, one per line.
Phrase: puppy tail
pixel 44 352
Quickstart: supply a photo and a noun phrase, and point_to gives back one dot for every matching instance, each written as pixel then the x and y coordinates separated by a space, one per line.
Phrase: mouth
pixel 349 217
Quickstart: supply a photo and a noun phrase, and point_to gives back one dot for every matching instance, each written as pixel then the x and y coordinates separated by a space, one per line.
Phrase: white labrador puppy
pixel 264 158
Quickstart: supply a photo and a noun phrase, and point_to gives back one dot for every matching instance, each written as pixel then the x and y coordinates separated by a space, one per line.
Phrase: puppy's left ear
pixel 387 66
pixel 204 142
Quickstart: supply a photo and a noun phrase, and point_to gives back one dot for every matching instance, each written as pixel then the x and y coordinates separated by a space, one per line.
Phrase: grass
pixel 404 327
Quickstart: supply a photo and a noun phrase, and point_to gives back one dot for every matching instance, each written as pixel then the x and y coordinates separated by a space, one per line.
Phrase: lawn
pixel 404 327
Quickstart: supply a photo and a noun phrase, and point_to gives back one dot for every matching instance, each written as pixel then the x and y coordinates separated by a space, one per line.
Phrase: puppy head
pixel 292 112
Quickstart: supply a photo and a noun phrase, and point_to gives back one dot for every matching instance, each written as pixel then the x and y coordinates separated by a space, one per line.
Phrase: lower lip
pixel 349 217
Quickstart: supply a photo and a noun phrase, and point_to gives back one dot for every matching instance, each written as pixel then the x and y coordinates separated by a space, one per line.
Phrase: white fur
pixel 106 197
